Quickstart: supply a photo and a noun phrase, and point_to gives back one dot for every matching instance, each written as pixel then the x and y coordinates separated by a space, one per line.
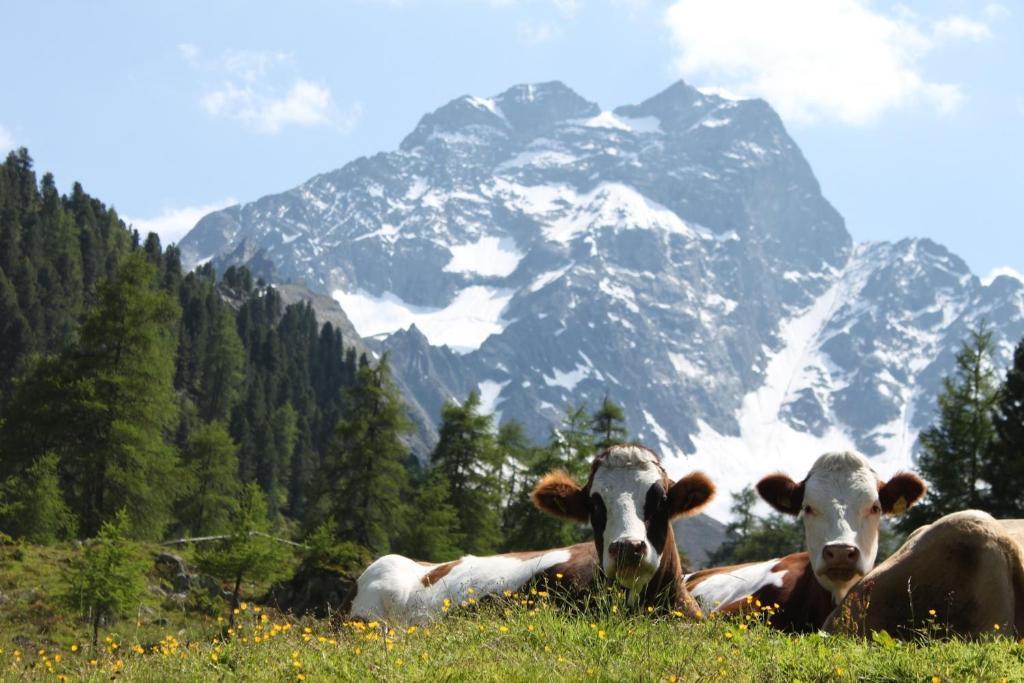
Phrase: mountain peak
pixel 533 105
pixel 523 108
pixel 679 104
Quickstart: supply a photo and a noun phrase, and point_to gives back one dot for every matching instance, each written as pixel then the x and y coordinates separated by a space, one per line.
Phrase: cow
pixel 841 501
pixel 962 575
pixel 629 502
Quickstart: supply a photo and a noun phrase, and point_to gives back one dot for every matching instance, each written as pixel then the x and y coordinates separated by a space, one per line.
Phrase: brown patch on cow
pixel 803 603
pixel 439 572
pixel 782 493
pixel 900 492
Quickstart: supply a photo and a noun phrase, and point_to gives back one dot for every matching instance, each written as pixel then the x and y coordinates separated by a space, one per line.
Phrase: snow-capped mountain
pixel 676 255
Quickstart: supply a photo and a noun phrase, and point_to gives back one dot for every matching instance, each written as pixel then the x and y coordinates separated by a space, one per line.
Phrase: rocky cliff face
pixel 676 255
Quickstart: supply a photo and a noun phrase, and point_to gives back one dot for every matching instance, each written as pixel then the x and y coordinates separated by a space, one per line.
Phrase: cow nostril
pixel 840 554
pixel 627 551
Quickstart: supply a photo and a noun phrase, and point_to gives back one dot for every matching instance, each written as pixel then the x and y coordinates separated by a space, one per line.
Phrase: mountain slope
pixel 676 254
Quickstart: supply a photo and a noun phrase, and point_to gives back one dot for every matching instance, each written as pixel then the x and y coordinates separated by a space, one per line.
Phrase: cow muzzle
pixel 628 562
pixel 841 561
pixel 627 553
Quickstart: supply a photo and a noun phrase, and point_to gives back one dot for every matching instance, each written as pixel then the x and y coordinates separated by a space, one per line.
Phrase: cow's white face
pixel 842 513
pixel 841 502
pixel 630 503
pixel 627 492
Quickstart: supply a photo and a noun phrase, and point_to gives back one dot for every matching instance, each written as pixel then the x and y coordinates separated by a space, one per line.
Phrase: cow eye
pixel 808 510
pixel 875 509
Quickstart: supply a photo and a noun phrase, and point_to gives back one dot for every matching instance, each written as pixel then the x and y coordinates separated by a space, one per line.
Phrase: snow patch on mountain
pixel 1002 270
pixel 496 256
pixel 463 325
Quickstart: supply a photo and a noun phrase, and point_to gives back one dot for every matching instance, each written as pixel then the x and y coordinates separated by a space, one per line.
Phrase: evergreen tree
pixel 1006 464
pixel 955 452
pixel 574 441
pixel 466 454
pixel 32 506
pixel 210 464
pixel 223 366
pixel 106 579
pixel 248 552
pixel 751 539
pixel 608 424
pixel 433 533
pixel 105 406
pixel 15 338
pixel 364 467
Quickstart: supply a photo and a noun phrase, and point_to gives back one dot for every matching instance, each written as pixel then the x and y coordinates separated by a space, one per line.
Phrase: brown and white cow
pixel 628 500
pixel 841 502
pixel 962 575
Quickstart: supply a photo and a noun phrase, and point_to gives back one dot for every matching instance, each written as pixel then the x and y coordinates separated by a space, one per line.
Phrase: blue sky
pixel 911 114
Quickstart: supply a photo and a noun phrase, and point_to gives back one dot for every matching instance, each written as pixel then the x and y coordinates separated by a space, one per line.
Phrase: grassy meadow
pixel 517 637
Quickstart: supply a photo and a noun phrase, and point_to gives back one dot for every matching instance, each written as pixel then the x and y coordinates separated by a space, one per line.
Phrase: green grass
pixel 500 641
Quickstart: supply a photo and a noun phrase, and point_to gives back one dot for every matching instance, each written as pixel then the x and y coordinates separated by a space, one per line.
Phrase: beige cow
pixel 962 575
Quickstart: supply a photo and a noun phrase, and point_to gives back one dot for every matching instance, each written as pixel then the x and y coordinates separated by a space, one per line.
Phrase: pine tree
pixel 608 424
pixel 574 441
pixel 104 408
pixel 1006 464
pixel 465 454
pixel 433 533
pixel 248 552
pixel 751 539
pixel 32 506
pixel 223 367
pixel 15 338
pixel 365 467
pixel 106 579
pixel 955 452
pixel 210 464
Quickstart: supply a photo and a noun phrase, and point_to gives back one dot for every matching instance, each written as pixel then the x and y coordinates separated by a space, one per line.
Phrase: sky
pixel 911 114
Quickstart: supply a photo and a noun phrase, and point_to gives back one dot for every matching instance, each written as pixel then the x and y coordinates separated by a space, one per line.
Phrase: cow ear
pixel 900 492
pixel 689 495
pixel 782 493
pixel 559 496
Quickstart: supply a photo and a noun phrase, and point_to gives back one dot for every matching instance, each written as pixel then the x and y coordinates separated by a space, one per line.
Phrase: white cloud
pixel 173 224
pixel 6 140
pixel 961 28
pixel 304 104
pixel 538 33
pixel 994 10
pixel 252 91
pixel 816 59
pixel 1001 270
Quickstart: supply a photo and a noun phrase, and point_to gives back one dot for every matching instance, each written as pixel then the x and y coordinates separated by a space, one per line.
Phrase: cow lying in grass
pixel 842 502
pixel 962 575
pixel 629 502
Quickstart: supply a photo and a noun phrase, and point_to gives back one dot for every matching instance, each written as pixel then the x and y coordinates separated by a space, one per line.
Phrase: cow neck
pixel 806 604
pixel 667 587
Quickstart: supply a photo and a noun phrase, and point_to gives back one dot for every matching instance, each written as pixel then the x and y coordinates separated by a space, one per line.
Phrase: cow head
pixel 842 502
pixel 629 501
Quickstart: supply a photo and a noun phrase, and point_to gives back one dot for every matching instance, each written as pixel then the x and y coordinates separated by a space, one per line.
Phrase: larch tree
pixel 955 451
pixel 1006 464
pixel 365 467
pixel 467 455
